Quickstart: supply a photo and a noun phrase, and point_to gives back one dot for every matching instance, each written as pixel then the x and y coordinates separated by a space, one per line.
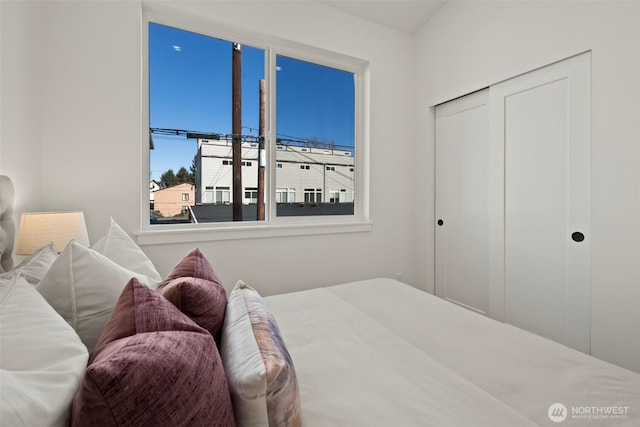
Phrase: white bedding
pixel 380 353
pixel 42 360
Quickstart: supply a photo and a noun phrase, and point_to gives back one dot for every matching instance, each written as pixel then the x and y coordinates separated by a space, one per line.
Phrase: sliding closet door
pixel 462 171
pixel 541 127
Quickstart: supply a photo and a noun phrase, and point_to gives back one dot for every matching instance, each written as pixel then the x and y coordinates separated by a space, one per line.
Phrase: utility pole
pixel 261 153
pixel 236 139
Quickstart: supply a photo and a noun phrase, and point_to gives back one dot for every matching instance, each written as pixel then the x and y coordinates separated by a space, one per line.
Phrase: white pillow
pixel 42 359
pixel 121 249
pixel 36 266
pixel 83 286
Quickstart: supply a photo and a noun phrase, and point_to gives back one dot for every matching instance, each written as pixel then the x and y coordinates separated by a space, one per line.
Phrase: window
pixel 313 195
pixel 223 195
pixel 285 195
pixel 185 197
pixel 313 104
pixel 315 113
pixel 209 195
pixel 251 195
pixel 338 196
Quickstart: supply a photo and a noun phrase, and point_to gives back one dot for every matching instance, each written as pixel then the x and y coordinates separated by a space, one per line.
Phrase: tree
pixel 192 169
pixel 184 176
pixel 169 179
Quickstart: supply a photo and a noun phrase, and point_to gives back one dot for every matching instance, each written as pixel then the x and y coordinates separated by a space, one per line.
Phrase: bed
pixel 409 358
pixel 95 336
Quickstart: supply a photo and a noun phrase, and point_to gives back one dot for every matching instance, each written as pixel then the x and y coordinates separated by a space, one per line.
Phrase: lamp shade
pixel 38 229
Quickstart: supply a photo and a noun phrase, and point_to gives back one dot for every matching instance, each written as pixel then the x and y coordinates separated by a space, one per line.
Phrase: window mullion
pixel 270 133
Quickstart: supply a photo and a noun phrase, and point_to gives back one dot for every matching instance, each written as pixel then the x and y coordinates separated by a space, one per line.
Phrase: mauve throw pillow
pixel 195 289
pixel 194 264
pixel 203 301
pixel 152 366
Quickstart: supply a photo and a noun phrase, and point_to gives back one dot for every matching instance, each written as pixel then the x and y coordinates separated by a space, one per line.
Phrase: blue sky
pixel 190 89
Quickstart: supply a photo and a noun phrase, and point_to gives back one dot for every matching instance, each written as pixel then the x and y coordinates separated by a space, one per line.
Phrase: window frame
pixel 272 226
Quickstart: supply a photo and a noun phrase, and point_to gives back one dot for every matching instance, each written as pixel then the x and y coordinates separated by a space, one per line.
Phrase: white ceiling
pixel 404 15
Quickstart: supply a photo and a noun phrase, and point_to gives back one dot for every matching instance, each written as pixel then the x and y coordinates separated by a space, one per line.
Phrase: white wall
pixel 88 131
pixel 20 114
pixel 470 45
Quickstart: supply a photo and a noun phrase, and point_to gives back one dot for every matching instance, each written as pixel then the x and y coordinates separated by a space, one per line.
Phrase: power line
pixel 280 138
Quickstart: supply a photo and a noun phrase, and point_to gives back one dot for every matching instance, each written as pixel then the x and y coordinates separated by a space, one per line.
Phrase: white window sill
pixel 193 233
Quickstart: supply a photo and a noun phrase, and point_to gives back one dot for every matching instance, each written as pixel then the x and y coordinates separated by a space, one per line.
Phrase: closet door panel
pixel 541 121
pixel 536 209
pixel 462 167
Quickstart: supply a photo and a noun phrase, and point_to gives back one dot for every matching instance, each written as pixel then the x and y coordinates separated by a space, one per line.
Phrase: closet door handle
pixel 440 222
pixel 577 236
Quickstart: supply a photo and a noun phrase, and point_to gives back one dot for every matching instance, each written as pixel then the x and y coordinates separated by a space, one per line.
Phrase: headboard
pixel 7 226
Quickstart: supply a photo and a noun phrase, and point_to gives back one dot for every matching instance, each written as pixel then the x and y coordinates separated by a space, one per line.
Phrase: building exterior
pixel 302 174
pixel 153 187
pixel 174 200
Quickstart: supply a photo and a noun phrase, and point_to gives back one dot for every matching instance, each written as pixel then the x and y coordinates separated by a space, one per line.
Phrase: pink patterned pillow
pixel 152 366
pixel 195 289
pixel 260 371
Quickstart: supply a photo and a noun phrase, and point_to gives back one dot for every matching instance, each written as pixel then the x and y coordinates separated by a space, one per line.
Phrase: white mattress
pixel 381 353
